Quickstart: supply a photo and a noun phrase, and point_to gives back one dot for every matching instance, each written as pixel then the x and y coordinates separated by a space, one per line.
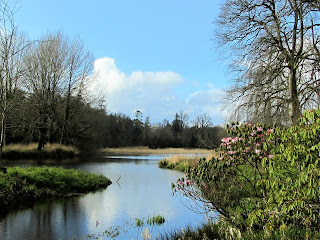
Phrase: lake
pixel 139 190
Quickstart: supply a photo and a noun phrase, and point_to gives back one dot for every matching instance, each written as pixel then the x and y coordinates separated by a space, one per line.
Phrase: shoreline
pixel 23 187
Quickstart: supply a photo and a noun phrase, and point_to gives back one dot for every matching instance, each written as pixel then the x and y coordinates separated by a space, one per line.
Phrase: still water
pixel 142 190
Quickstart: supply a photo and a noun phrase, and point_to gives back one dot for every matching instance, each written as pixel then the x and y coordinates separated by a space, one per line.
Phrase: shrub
pixel 266 181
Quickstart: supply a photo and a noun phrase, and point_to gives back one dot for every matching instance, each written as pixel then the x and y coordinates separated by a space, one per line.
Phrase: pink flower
pixel 270 156
pixel 229 147
pixel 270 130
pixel 188 183
pixel 226 140
pixel 235 139
pixel 257 151
pixel 259 129
pixel 231 152
pixel 180 183
pixel 258 144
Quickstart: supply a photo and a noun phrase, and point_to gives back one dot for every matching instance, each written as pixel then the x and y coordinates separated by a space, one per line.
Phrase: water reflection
pixel 142 190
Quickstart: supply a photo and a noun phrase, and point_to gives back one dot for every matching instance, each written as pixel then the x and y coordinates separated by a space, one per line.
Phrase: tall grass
pixel 183 162
pixel 156 220
pixel 204 232
pixel 142 150
pixel 27 151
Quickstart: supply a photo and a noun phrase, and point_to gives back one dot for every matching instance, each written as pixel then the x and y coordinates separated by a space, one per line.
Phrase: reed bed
pixel 27 151
pixel 142 150
pixel 184 162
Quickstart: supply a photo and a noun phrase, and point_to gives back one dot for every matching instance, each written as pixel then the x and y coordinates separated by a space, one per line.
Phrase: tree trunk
pixel 2 136
pixel 295 105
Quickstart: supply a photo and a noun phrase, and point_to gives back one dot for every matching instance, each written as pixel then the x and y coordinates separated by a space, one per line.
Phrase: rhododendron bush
pixel 267 179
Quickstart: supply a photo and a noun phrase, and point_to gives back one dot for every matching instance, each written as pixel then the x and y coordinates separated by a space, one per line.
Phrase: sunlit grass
pixel 142 150
pixel 20 151
pixel 184 162
pixel 204 231
pixel 34 147
pixel 21 187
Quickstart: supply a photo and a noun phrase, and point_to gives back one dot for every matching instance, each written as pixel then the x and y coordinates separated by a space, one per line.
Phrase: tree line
pixel 120 131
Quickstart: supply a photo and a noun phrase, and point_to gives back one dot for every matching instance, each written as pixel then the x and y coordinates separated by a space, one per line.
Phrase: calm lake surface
pixel 142 191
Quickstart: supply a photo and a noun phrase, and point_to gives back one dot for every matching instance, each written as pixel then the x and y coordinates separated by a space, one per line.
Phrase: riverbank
pixel 142 150
pixel 183 162
pixel 30 151
pixel 22 187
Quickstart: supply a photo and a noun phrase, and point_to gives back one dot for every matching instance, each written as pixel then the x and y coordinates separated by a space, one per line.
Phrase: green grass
pixel 205 231
pixel 28 151
pixel 22 187
pixel 156 220
pixel 139 222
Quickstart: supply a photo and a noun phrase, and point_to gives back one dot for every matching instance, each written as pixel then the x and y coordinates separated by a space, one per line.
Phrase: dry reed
pixel 184 162
pixel 141 150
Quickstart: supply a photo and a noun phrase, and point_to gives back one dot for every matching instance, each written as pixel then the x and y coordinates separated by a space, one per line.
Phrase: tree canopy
pixel 275 48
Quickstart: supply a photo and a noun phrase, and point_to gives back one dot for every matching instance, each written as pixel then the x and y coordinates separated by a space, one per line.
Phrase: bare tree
pixel 46 64
pixel 203 121
pixel 59 69
pixel 79 66
pixel 11 46
pixel 275 43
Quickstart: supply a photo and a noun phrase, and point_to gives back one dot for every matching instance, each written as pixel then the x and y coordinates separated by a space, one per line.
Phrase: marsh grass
pixel 156 220
pixel 22 187
pixel 142 150
pixel 183 162
pixel 28 151
pixel 203 232
pixel 139 222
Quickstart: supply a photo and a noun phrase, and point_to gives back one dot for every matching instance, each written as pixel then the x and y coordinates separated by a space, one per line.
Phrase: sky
pixel 158 57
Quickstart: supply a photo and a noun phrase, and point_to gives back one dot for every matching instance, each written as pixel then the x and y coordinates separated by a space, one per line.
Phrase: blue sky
pixel 154 56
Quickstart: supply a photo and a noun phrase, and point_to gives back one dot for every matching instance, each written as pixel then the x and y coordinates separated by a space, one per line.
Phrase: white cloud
pixel 154 93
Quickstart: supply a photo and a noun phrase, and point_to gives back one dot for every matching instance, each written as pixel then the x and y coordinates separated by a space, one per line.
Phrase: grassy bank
pixel 183 162
pixel 205 231
pixel 22 187
pixel 148 151
pixel 30 151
